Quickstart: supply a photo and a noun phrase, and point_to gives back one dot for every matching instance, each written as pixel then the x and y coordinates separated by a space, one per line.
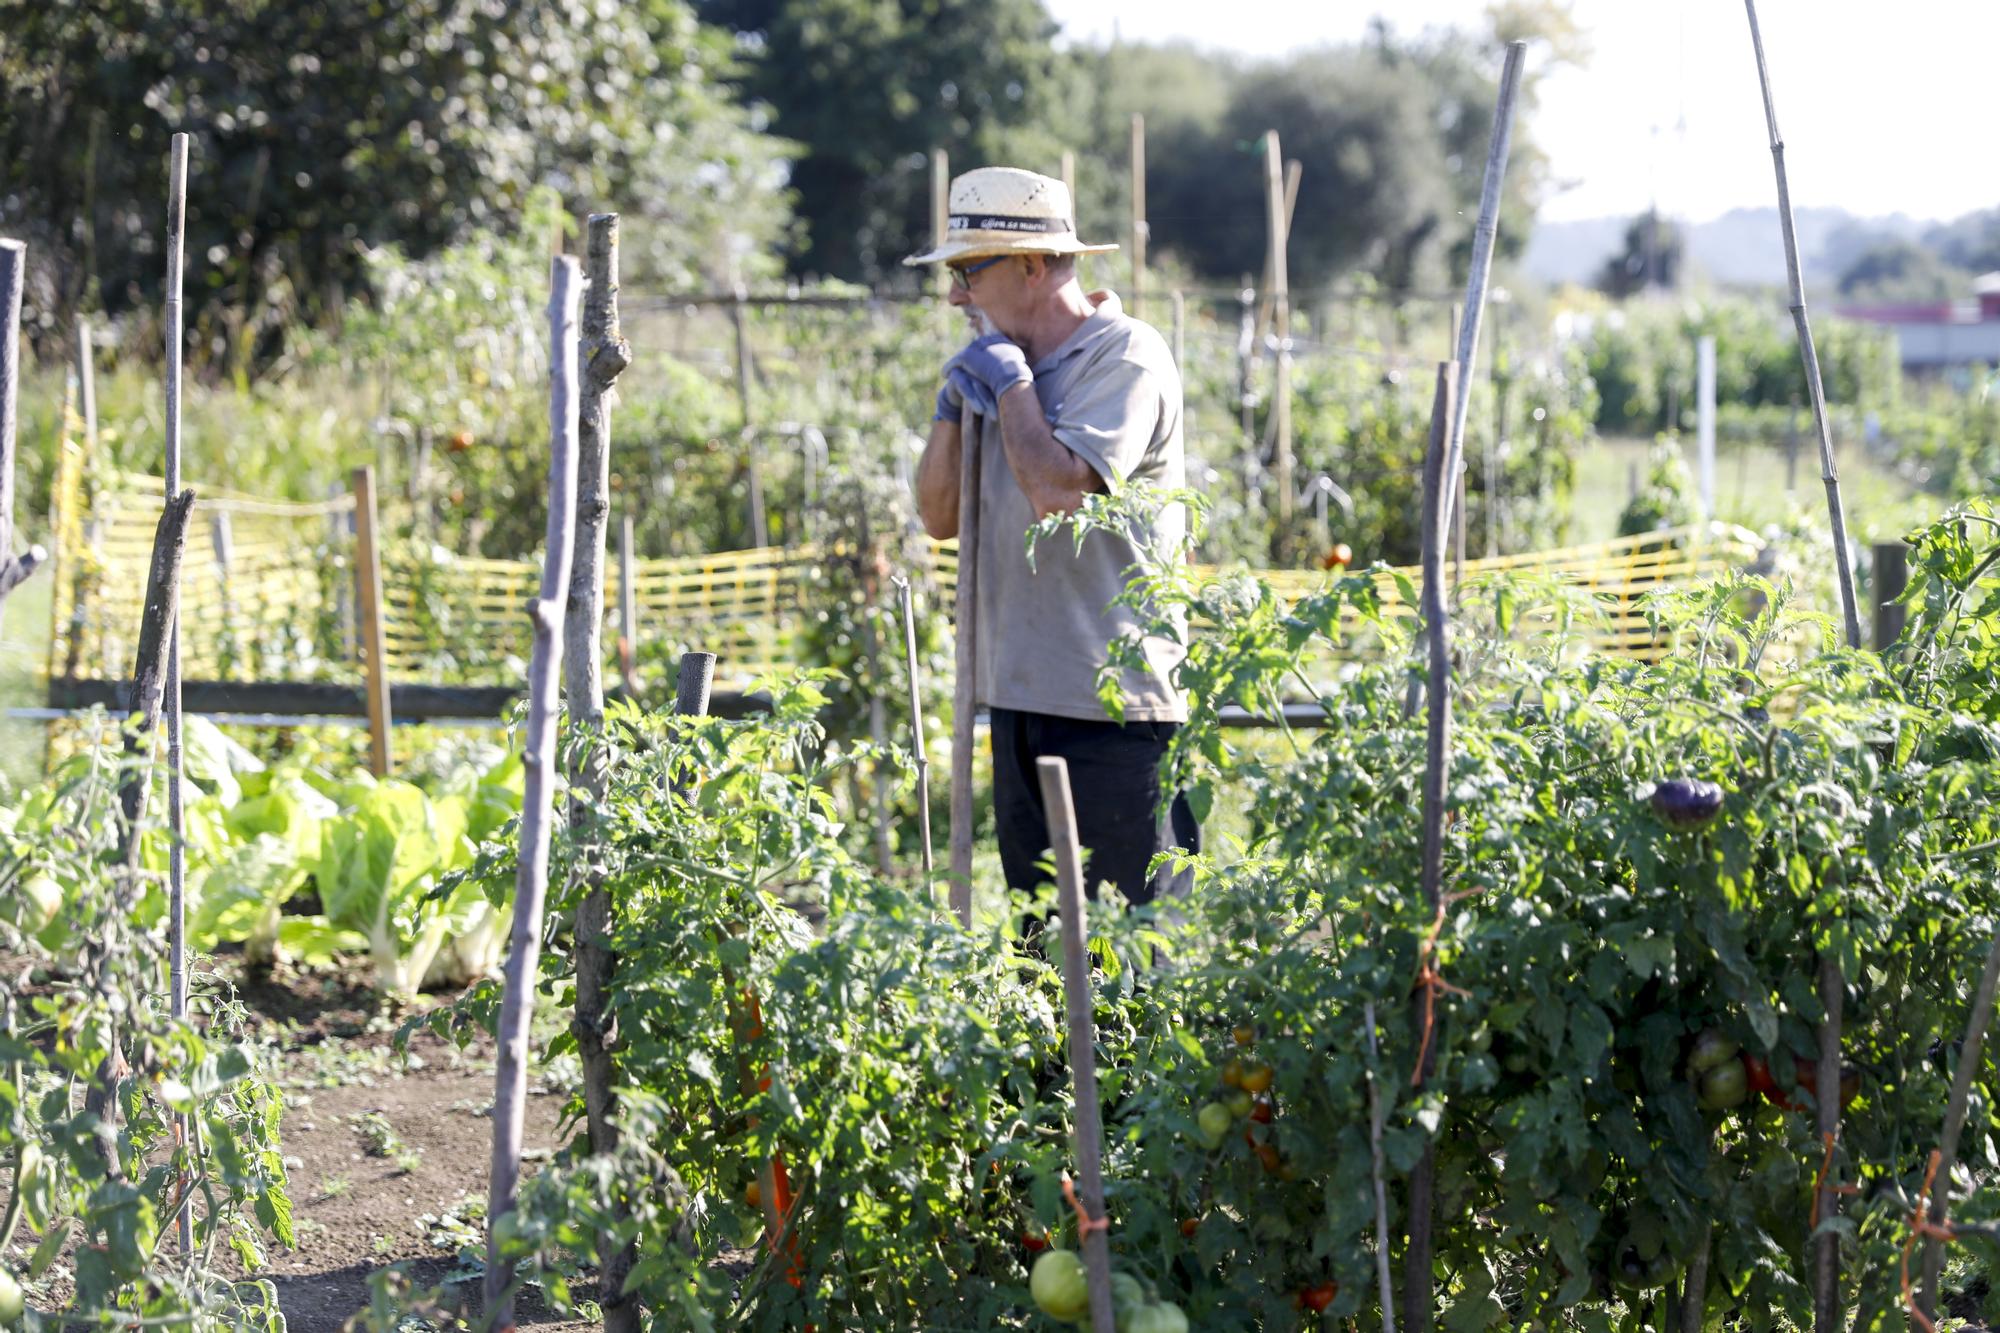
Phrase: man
pixel 1060 394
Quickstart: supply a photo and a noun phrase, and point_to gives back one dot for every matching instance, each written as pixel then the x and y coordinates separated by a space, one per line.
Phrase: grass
pixel 1751 489
pixel 24 648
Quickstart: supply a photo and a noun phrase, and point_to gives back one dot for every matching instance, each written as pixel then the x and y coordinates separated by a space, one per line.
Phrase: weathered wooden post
pixel 1281 322
pixel 918 749
pixel 1294 170
pixel 531 879
pixel 1417 1276
pixel 602 357
pixel 1892 576
pixel 1054 775
pixel 374 643
pixel 13 276
pixel 1140 230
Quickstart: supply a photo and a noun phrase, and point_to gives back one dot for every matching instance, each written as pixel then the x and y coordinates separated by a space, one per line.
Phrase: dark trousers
pixel 1114 781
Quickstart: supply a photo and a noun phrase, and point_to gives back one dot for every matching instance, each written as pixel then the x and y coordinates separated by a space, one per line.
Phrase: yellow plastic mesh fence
pixel 267 591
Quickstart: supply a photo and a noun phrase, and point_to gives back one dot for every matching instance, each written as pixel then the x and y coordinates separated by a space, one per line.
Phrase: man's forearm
pixel 937 481
pixel 1054 479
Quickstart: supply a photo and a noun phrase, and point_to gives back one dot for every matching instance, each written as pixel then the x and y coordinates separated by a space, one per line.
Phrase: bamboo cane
pixel 1377 1172
pixel 1832 985
pixel 918 749
pixel 1140 228
pixel 1481 269
pixel 1417 1279
pixel 1054 774
pixel 177 161
pixel 13 275
pixel 941 212
pixel 531 879
pixel 602 355
pixel 1836 513
pixel 965 689
pixel 1281 321
pixel 628 611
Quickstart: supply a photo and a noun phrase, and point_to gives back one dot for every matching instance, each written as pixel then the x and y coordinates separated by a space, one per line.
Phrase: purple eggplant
pixel 1686 803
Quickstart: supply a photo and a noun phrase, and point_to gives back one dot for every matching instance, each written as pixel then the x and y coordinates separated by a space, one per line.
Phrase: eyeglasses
pixel 961 278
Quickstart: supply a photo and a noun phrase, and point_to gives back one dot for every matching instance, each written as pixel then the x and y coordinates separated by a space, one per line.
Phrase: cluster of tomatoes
pixel 1246 1098
pixel 1061 1289
pixel 1724 1076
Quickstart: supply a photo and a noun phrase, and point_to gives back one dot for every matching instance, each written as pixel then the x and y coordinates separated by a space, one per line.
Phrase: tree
pixel 324 129
pixel 870 87
pixel 1650 258
pixel 1902 271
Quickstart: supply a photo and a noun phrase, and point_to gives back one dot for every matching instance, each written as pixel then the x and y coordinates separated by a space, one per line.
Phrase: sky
pixel 1884 108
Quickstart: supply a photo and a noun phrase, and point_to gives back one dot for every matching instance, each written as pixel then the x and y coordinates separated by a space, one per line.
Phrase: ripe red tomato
pixel 1338 556
pixel 1758 1071
pixel 1319 1297
pixel 460 441
pixel 1189 1225
pixel 1034 1242
pixel 1261 1110
pixel 1267 1153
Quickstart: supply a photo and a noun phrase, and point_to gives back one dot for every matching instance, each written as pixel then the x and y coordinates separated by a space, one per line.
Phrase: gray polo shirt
pixel 1112 395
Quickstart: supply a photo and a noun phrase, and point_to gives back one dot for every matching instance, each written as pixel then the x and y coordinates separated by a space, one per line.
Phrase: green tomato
pixel 1214 1120
pixel 1711 1048
pixel 1128 1298
pixel 1058 1285
pixel 1160 1317
pixel 1725 1086
pixel 1239 1103
pixel 12 1304
pixel 39 900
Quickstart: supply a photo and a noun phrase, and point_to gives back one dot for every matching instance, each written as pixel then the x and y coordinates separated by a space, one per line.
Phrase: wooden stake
pixel 13 277
pixel 1969 1066
pixel 1482 254
pixel 693 684
pixel 965 674
pixel 1140 231
pixel 1417 1278
pixel 531 880
pixel 374 644
pixel 760 535
pixel 628 612
pixel 940 213
pixel 1069 185
pixel 149 671
pixel 918 749
pixel 603 356
pixel 1281 321
pixel 1054 774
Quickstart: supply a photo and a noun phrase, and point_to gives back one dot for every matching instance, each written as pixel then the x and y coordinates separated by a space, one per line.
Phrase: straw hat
pixel 1007 211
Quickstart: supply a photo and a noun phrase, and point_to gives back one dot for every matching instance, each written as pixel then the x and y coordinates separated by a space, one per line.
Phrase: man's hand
pixel 992 363
pixel 950 403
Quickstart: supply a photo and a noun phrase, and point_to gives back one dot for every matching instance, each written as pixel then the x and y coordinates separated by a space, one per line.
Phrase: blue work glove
pixel 972 392
pixel 995 361
pixel 950 403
